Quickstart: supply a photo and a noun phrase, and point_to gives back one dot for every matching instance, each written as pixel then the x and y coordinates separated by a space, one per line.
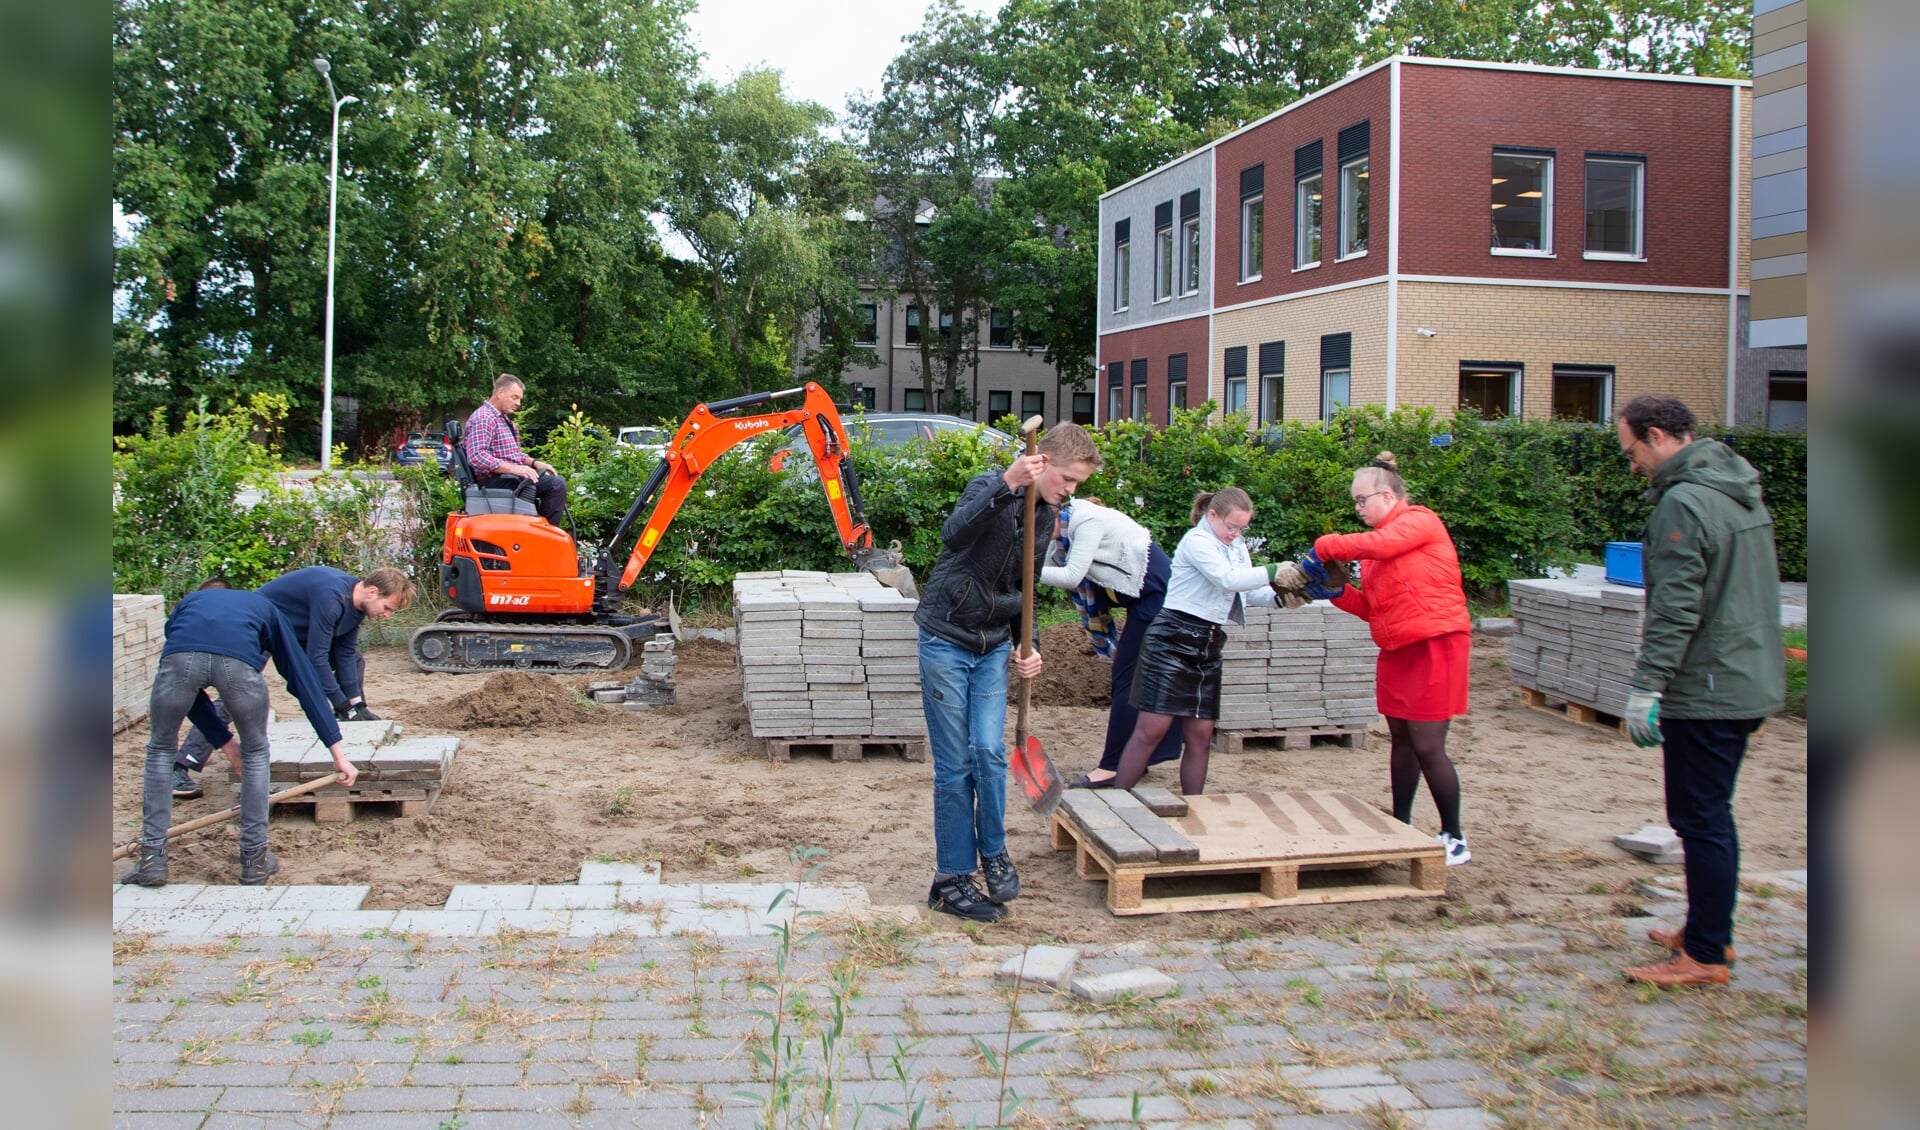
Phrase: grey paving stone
pixel 1453 1118
pixel 530 1120
pixel 1445 1093
pixel 1124 1109
pixel 265 1099
pixel 233 1075
pixel 439 923
pixel 1109 987
pixel 144 898
pixel 1045 965
pixel 175 1098
pixel 399 1099
pixel 1357 1075
pixel 517 1098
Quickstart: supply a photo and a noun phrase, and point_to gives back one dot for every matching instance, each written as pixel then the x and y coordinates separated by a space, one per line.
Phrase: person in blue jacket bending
pixel 222 638
pixel 324 607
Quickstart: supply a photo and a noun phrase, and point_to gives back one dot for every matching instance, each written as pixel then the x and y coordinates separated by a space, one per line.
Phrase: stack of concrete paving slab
pixel 826 655
pixel 410 770
pixel 139 632
pixel 1576 639
pixel 1298 668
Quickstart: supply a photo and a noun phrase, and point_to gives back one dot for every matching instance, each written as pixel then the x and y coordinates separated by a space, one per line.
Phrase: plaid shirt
pixel 490 440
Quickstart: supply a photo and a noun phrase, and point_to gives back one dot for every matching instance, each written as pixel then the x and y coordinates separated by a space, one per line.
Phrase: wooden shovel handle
pixel 200 822
pixel 1029 430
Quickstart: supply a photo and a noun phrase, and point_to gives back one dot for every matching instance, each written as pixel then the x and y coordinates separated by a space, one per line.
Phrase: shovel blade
pixel 1039 780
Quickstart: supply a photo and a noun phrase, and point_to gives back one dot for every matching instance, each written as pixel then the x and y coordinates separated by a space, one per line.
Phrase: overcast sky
pixel 826 51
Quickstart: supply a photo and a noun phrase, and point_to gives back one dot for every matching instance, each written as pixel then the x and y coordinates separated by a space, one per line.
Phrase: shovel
pixel 195 825
pixel 1039 780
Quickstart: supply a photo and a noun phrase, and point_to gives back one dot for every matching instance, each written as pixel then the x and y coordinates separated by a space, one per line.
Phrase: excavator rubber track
pixel 456 645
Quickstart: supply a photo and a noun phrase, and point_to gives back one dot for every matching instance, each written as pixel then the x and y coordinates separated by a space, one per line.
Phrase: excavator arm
pixel 708 433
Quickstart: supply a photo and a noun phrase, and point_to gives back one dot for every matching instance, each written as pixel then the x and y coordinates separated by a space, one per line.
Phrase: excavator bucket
pixel 889 567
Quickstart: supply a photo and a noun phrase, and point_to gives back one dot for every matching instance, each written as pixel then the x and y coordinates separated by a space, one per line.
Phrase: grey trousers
pixel 181 676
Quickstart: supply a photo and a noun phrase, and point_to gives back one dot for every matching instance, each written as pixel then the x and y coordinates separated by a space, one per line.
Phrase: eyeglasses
pixel 1360 500
pixel 1232 529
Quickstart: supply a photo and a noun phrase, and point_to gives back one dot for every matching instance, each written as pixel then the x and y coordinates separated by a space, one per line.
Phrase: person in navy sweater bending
pixel 222 638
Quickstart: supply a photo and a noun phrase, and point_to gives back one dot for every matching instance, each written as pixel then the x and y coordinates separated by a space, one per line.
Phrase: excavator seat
pixel 485 500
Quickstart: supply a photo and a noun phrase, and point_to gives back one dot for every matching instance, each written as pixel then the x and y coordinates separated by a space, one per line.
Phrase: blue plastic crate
pixel 1623 564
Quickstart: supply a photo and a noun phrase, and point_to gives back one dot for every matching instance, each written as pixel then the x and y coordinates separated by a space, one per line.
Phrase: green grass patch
pixel 1796 673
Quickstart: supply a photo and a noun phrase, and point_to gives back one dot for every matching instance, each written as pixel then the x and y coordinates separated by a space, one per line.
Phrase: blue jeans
pixel 965 697
pixel 1702 759
pixel 183 675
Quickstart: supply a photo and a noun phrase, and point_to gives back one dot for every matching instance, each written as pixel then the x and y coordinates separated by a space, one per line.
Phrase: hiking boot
pixel 1680 970
pixel 152 871
pixel 959 896
pixel 1003 882
pixel 257 868
pixel 184 786
pixel 1675 941
pixel 1456 846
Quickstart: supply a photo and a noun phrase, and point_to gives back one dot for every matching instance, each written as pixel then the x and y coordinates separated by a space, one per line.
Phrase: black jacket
pixel 972 597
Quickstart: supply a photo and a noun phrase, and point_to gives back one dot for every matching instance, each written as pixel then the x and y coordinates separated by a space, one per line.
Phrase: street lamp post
pixel 333 200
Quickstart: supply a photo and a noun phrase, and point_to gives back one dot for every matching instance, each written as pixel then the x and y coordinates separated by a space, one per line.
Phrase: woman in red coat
pixel 1411 598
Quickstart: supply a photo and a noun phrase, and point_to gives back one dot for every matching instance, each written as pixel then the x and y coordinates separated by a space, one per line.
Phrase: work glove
pixel 1290 598
pixel 1323 585
pixel 1643 718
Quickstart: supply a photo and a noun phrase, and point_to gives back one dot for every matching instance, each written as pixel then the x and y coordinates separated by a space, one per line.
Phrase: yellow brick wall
pixel 1667 343
pixel 1300 323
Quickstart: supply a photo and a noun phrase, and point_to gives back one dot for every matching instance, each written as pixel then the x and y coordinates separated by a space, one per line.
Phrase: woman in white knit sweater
pixel 1113 560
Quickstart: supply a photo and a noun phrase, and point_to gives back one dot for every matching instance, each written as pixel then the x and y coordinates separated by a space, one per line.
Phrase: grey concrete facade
pixel 1136 204
pixel 1753 371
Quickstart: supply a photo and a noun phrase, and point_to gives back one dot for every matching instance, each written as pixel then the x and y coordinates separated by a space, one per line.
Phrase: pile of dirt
pixel 508 700
pixel 1072 674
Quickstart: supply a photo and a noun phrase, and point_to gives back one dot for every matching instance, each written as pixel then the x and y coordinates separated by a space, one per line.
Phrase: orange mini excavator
pixel 524 598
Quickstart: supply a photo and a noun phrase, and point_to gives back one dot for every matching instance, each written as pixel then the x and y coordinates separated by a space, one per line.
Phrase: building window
pixel 1491 388
pixel 1163 251
pixel 1033 404
pixel 913 325
pixel 1139 402
pixel 1523 202
pixel 869 396
pixel 1786 402
pixel 946 325
pixel 1083 408
pixel 1583 392
pixel 1233 370
pixel 1306 221
pixel 1336 391
pixel 999 403
pixel 1122 276
pixel 1273 367
pixel 916 400
pixel 867 326
pixel 1253 238
pixel 1000 329
pixel 1190 242
pixel 1116 378
pixel 1176 383
pixel 1353 209
pixel 1616 203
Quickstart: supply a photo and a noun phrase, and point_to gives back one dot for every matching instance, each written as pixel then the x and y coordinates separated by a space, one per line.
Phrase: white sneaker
pixel 1457 852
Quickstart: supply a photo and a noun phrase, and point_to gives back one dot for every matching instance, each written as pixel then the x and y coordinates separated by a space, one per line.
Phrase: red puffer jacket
pixel 1410 585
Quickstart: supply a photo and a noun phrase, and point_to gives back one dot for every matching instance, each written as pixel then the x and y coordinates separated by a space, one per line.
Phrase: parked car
pixel 646 439
pixel 421 446
pixel 892 429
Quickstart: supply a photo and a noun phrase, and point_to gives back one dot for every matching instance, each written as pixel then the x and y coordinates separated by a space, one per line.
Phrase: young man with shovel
pixel 967 609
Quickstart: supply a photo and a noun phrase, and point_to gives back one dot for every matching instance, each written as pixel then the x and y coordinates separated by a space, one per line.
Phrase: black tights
pixel 1147 732
pixel 1420 750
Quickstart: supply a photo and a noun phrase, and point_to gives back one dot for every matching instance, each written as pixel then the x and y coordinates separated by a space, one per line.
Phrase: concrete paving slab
pixel 1106 988
pixel 169 922
pixel 256 922
pixel 595 872
pixel 312 896
pixel 148 898
pixel 468 896
pixel 558 896
pixel 239 898
pixel 347 923
pixel 532 921
pixel 438 923
pixel 1039 965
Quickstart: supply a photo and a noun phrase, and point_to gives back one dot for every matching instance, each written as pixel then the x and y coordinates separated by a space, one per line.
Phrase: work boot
pixel 1678 970
pixel 1003 882
pixel 152 871
pixel 1675 941
pixel 959 896
pixel 257 868
pixel 184 786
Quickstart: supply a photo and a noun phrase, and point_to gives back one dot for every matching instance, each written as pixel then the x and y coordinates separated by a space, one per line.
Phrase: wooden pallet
pixel 1572 711
pixel 339 806
pixel 1266 849
pixel 1302 737
pixel 848 749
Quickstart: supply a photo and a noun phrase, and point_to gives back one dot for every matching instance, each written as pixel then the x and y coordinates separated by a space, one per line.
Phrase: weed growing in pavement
pixel 313 1037
pixel 1008 1101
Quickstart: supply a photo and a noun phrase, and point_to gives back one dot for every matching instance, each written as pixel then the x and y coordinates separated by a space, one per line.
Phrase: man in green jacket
pixel 1711 666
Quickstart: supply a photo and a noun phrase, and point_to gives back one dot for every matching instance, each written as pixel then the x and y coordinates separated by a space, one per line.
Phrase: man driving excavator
pixel 492 445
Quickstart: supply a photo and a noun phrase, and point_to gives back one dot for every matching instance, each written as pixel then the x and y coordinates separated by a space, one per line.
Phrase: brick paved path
pixel 1512 1024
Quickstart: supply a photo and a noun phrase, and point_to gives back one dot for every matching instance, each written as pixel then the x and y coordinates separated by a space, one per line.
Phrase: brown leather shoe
pixel 1675 941
pixel 1679 970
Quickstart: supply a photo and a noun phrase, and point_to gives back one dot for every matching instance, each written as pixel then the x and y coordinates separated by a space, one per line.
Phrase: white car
pixel 646 439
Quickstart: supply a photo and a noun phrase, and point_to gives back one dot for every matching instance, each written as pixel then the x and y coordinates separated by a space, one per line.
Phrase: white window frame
pixel 1122 276
pixel 1576 372
pixel 1516 390
pixel 1327 406
pixel 1277 384
pixel 1190 249
pixel 1116 402
pixel 1163 265
pixel 1352 175
pixel 1253 238
pixel 1545 250
pixel 1302 201
pixel 1139 401
pixel 1234 397
pixel 1176 397
pixel 1639 252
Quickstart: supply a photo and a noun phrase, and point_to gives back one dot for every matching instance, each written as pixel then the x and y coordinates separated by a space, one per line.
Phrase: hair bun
pixel 1386 462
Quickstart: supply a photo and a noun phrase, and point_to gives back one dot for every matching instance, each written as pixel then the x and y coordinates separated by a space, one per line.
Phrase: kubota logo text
pixel 750 425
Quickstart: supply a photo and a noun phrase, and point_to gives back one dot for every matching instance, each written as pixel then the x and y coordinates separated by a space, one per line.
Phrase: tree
pixel 1697 37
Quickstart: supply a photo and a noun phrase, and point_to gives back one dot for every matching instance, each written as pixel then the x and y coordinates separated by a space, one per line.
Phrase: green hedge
pixel 1519 496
